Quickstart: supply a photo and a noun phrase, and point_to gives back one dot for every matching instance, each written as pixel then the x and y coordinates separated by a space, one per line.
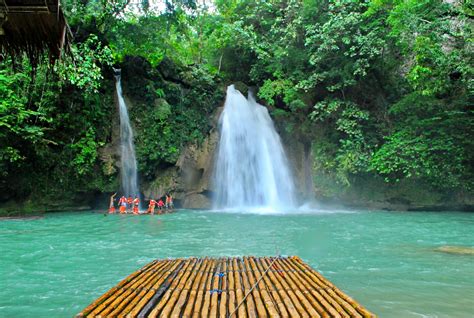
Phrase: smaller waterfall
pixel 128 160
pixel 252 169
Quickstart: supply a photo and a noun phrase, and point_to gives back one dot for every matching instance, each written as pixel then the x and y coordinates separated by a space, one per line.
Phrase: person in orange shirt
pixel 136 202
pixel 130 204
pixel 111 205
pixel 123 205
pixel 151 206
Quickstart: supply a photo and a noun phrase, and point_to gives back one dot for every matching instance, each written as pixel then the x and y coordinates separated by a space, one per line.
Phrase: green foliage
pixel 84 70
pixel 165 126
pixel 433 143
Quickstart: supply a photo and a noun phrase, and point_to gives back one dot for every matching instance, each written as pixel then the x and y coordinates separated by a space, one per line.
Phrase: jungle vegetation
pixel 379 88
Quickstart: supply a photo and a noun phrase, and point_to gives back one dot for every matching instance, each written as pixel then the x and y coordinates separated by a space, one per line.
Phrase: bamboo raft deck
pixel 225 287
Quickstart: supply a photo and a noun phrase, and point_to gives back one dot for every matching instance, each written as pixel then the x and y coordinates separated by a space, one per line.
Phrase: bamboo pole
pixel 259 288
pixel 276 298
pixel 286 295
pixel 116 298
pixel 205 292
pixel 169 306
pixel 232 288
pixel 200 290
pixel 170 292
pixel 224 288
pixel 187 288
pixel 111 291
pixel 191 307
pixel 315 291
pixel 294 284
pixel 251 310
pixel 318 301
pixel 116 307
pixel 242 312
pixel 165 272
pixel 337 310
pixel 144 296
pixel 214 293
pixel 310 271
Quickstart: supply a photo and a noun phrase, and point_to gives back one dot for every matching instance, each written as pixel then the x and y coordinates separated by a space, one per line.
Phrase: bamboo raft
pixel 225 287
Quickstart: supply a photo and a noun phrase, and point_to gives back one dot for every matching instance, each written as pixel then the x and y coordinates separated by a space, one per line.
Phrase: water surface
pixel 56 265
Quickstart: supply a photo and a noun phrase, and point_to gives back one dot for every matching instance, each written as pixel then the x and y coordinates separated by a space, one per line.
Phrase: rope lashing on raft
pixel 255 285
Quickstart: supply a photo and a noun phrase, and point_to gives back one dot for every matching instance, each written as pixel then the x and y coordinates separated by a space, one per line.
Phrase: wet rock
pixel 459 250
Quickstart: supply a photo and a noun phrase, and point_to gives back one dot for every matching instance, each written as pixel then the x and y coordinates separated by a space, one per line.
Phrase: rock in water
pixel 460 250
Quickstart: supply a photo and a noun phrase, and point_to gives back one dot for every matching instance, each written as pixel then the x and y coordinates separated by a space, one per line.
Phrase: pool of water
pixel 56 265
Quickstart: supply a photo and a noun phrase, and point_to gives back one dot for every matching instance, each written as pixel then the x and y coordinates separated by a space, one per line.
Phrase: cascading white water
pixel 252 169
pixel 128 161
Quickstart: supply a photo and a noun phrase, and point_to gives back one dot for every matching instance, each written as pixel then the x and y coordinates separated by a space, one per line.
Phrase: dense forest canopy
pixel 377 88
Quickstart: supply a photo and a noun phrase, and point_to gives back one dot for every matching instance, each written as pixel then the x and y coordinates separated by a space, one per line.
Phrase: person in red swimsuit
pixel 160 205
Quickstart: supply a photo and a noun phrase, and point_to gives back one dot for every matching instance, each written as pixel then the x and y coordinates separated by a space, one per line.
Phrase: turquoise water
pixel 56 265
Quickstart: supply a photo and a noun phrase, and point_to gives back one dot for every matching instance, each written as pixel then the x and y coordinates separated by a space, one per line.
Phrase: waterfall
pixel 251 166
pixel 128 172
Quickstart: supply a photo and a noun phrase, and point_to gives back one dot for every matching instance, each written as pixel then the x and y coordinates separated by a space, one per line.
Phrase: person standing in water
pixel 123 205
pixel 167 201
pixel 160 205
pixel 130 204
pixel 111 204
pixel 136 202
pixel 151 206
pixel 171 204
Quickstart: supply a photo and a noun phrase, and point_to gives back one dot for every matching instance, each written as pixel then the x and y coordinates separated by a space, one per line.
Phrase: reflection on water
pixel 55 266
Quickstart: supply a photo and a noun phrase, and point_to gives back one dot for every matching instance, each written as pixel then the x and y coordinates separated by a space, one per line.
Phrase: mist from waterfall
pixel 128 172
pixel 251 166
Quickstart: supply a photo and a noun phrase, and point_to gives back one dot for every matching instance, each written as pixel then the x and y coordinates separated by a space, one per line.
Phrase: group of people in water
pixel 131 205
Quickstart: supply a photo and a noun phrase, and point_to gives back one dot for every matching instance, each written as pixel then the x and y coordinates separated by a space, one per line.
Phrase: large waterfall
pixel 251 169
pixel 128 161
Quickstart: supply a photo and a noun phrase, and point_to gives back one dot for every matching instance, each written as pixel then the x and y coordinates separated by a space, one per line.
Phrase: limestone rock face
pixel 190 179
